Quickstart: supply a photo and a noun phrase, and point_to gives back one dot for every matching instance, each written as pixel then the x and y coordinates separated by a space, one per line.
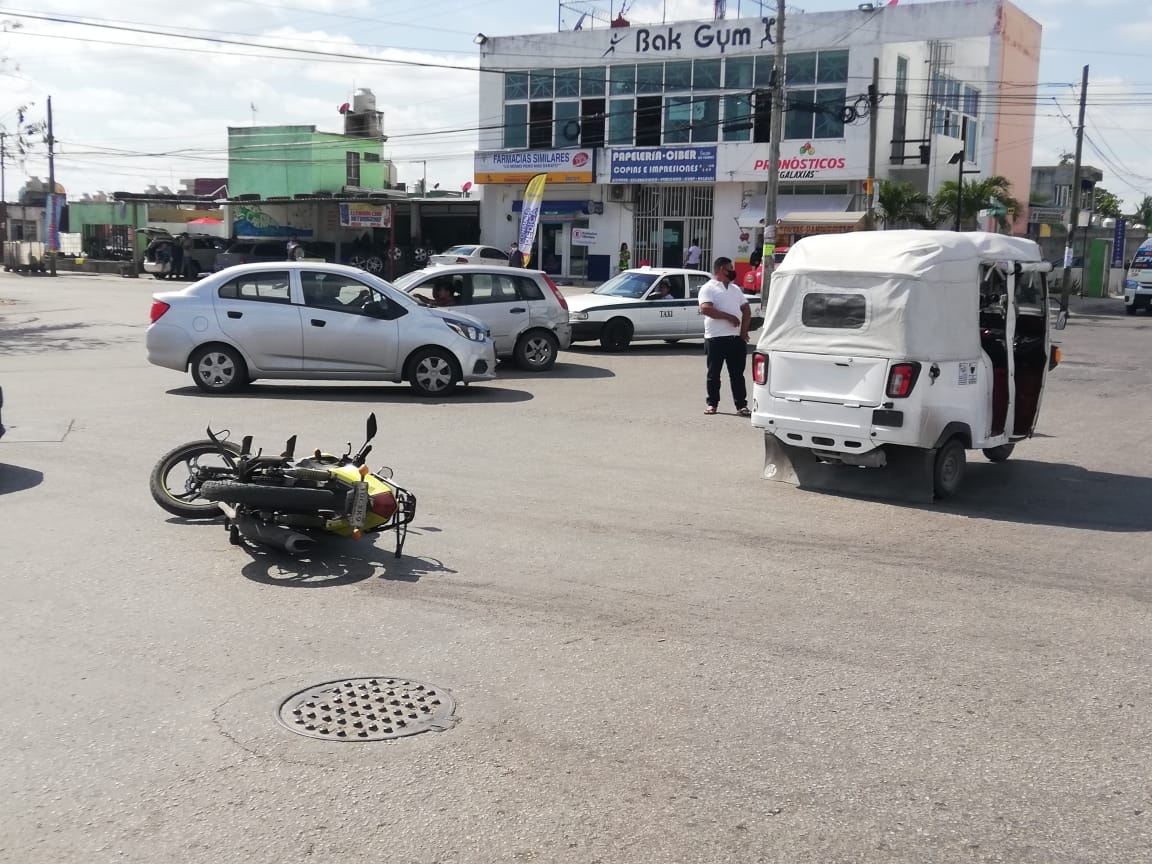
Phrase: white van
pixel 901 349
pixel 1138 283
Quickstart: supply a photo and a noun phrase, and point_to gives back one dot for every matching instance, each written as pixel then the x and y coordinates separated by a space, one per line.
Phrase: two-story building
pixel 658 135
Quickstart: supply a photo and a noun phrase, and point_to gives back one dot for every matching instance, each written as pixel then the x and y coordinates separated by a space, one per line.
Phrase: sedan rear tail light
pixel 901 379
pixel 461 260
pixel 159 307
pixel 760 368
pixel 556 291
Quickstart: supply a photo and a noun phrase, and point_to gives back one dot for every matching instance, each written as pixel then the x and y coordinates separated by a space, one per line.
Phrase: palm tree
pixel 900 205
pixel 1143 214
pixel 978 195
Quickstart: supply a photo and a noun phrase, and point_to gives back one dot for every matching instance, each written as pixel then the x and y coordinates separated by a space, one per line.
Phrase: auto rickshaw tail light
pixel 760 368
pixel 901 380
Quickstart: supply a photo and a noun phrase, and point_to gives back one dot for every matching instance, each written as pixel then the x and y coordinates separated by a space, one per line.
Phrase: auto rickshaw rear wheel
pixel 948 471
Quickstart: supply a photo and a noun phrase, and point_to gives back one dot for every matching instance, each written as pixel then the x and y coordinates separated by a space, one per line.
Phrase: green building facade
pixel 278 161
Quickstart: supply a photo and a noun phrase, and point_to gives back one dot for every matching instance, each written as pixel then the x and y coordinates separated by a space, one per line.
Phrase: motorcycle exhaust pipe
pixel 277 536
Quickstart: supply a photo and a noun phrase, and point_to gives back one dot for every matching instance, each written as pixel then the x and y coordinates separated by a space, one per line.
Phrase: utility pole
pixel 51 200
pixel 873 104
pixel 776 132
pixel 1073 223
pixel 3 170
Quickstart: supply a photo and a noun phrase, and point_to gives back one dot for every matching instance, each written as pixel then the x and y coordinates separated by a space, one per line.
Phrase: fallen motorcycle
pixel 280 501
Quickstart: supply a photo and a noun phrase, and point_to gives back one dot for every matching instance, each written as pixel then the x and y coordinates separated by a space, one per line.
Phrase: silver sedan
pixel 313 321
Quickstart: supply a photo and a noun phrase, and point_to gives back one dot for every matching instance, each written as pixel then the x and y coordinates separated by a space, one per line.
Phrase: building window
pixel 678 75
pixel 955 112
pixel 1062 196
pixel 515 86
pixel 815 92
pixel 567 83
pixel 539 125
pixel 650 78
pixel 567 121
pixel 900 112
pixel 705 119
pixel 516 126
pixel 649 110
pixel 592 122
pixel 541 83
pixel 738 73
pixel 592 80
pixel 677 119
pixel 352 169
pixel 737 118
pixel 620 117
pixel 763 77
pixel 622 80
pixel 706 75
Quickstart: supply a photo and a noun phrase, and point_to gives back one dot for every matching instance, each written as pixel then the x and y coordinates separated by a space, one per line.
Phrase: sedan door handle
pixel 232 313
pixel 318 322
pixel 517 310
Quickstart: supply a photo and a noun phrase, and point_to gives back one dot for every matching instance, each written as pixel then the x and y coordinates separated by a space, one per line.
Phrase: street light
pixel 958 159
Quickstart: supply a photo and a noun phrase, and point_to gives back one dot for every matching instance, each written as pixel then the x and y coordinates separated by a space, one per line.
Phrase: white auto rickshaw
pixel 897 351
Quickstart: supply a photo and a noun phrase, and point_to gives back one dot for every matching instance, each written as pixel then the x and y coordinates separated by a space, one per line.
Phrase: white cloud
pixel 164 95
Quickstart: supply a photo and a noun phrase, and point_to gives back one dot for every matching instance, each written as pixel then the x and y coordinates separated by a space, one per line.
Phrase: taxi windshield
pixel 634 285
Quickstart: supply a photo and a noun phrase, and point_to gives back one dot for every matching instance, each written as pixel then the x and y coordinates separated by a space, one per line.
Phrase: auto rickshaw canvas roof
pixel 919 291
pixel 910 254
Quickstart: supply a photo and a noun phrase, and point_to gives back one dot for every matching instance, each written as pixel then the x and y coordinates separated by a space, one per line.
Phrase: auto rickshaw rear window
pixel 834 311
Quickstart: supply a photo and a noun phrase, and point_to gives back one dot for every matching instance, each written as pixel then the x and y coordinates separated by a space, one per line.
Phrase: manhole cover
pixel 367 709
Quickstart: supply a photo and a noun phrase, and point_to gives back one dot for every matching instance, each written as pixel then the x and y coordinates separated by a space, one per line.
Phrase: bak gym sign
pixel 669 40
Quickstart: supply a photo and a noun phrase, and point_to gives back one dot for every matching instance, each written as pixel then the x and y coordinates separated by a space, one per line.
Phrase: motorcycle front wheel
pixel 178 476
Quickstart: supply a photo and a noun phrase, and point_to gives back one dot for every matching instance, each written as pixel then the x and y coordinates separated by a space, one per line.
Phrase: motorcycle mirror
pixel 1062 319
pixel 384 473
pixel 290 448
pixel 246 445
pixel 371 426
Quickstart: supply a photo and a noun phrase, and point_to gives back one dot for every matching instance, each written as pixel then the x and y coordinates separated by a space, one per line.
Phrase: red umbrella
pixel 206 220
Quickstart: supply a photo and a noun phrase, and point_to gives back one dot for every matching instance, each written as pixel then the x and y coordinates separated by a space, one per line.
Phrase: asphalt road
pixel 657 656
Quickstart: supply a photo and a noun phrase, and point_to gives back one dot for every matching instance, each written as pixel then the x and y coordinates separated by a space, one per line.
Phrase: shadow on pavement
pixel 571 371
pixel 643 349
pixel 335 562
pixel 1062 496
pixel 384 393
pixel 13 478
pixel 33 338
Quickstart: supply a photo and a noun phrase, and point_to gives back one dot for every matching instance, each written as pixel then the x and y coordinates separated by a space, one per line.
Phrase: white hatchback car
pixel 472 253
pixel 524 310
pixel 313 321
pixel 644 303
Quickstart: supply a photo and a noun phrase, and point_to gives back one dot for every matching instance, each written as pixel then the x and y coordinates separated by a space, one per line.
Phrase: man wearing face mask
pixel 726 318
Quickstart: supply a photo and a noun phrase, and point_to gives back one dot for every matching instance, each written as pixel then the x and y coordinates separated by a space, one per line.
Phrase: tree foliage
pixel 977 195
pixel 1106 204
pixel 900 205
pixel 1143 213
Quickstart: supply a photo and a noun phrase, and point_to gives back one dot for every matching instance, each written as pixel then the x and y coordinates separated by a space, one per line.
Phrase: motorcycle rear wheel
pixel 181 505
pixel 284 499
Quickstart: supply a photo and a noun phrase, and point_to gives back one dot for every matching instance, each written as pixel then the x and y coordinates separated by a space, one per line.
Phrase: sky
pixel 133 108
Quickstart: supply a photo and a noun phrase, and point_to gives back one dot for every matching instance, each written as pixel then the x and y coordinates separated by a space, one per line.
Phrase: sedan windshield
pixel 634 285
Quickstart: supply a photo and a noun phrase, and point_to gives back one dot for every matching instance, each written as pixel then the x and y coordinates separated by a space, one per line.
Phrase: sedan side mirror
pixel 1062 319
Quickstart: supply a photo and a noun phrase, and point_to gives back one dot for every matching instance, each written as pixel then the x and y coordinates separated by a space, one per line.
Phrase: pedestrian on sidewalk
pixel 727 317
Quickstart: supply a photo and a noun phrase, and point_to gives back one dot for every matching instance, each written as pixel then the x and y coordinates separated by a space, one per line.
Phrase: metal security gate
pixel 667 219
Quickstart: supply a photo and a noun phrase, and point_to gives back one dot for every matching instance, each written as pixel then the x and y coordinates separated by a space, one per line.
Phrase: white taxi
pixel 643 304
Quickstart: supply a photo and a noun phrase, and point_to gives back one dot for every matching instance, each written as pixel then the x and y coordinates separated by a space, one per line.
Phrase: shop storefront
pixel 658 136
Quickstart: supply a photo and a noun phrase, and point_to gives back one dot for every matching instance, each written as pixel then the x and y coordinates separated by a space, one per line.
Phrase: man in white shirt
pixel 727 316
pixel 692 258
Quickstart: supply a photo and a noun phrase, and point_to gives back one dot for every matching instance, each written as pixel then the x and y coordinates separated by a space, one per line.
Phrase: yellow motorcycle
pixel 280 501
